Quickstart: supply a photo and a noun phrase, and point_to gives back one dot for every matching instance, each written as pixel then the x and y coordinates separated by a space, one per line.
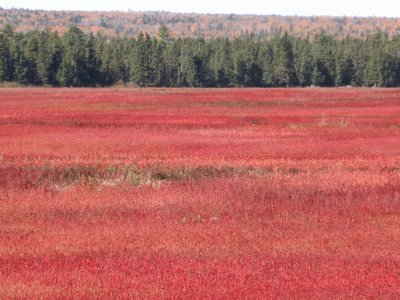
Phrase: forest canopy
pixel 78 59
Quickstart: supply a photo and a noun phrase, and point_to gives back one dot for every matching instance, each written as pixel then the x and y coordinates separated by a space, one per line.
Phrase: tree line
pixel 79 59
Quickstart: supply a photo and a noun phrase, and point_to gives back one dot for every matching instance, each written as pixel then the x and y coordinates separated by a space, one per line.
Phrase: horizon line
pixel 129 10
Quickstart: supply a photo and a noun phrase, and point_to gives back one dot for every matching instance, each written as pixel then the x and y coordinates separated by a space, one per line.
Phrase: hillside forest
pixel 194 25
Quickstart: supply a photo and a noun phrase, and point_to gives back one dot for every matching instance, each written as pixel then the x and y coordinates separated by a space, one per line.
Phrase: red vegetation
pixel 175 193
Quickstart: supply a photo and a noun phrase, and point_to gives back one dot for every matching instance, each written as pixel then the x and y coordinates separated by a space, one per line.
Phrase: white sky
pixel 388 8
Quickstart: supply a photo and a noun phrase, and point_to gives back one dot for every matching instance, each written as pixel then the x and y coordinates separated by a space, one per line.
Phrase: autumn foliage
pixel 195 25
pixel 187 193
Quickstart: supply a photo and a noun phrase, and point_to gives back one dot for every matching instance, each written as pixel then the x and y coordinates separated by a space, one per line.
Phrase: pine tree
pixel 240 69
pixel 344 69
pixel 318 73
pixel 73 68
pixel 303 62
pixel 267 63
pixel 374 67
pixel 172 64
pixel 109 66
pixel 284 73
pixel 221 67
pixel 391 63
pixel 140 67
pixel 323 56
pixel 358 55
pixel 6 59
pixel 92 62
pixel 164 34
pixel 30 54
pixel 48 57
pixel 22 66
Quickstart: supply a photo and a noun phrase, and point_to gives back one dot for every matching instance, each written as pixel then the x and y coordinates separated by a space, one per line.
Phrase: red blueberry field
pixel 199 193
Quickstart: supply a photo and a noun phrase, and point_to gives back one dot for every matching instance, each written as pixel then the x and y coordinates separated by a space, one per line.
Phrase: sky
pixel 385 8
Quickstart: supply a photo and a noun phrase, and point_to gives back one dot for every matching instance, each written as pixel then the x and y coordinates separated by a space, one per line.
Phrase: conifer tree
pixel 6 60
pixel 284 73
pixel 73 68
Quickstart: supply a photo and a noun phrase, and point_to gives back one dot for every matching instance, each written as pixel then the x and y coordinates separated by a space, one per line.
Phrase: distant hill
pixel 196 25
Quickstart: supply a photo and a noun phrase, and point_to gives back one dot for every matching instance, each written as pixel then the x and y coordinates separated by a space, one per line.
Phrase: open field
pixel 185 193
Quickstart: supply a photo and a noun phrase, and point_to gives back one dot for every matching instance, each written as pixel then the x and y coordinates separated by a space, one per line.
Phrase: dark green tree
pixel 267 63
pixel 6 56
pixel 73 69
pixel 4 59
pixel 345 72
pixel 240 69
pixel 323 60
pixel 48 57
pixel 92 62
pixel 164 34
pixel 303 63
pixel 220 64
pixel 140 61
pixel 284 72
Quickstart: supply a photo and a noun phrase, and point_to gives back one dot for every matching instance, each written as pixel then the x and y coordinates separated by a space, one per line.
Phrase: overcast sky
pixel 389 8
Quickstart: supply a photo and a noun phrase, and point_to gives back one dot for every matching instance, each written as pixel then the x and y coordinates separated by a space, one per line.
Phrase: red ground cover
pixel 186 193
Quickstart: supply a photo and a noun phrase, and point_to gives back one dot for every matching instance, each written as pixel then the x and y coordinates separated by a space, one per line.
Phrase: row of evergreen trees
pixel 78 59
